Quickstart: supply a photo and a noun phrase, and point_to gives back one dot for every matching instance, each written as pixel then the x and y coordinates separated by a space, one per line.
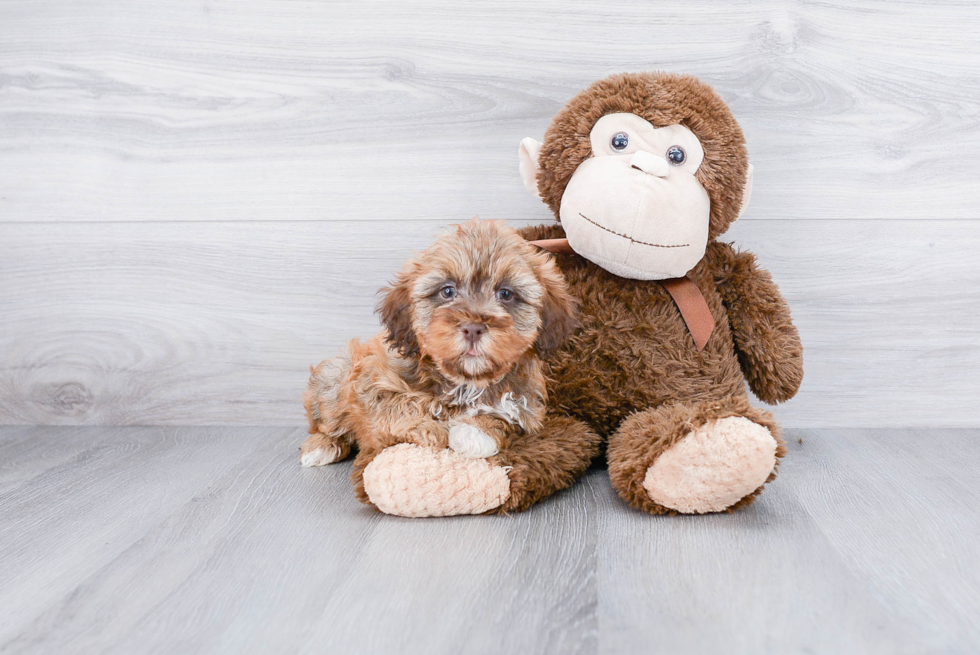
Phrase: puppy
pixel 457 365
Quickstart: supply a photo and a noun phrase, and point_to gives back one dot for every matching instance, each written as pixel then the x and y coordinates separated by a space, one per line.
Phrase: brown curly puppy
pixel 458 366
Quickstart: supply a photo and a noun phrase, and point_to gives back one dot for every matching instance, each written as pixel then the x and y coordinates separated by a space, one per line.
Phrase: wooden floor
pixel 212 540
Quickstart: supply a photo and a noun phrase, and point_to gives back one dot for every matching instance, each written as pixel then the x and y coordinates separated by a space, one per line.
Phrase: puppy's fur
pixel 422 381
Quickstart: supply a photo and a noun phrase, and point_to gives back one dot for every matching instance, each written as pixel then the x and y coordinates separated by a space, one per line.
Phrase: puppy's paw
pixel 470 441
pixel 431 434
pixel 320 456
pixel 319 450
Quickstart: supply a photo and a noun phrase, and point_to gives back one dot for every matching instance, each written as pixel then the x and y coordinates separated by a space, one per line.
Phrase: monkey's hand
pixel 767 342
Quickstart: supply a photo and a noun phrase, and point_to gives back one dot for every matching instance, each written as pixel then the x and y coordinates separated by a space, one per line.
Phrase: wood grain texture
pixel 208 323
pixel 764 580
pixel 863 544
pixel 929 479
pixel 23 457
pixel 271 557
pixel 214 540
pixel 265 110
pixel 198 200
pixel 107 497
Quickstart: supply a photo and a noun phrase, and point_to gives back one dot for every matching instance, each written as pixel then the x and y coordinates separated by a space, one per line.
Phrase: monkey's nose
pixel 649 164
pixel 473 331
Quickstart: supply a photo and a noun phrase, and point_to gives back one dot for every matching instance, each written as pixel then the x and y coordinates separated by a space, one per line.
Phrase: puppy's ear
pixel 559 310
pixel 395 310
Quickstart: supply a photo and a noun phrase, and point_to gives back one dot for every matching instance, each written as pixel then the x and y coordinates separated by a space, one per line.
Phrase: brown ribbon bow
pixel 687 296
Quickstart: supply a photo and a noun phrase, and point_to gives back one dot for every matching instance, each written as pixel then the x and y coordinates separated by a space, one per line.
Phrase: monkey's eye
pixel 620 141
pixel 448 292
pixel 504 294
pixel 676 155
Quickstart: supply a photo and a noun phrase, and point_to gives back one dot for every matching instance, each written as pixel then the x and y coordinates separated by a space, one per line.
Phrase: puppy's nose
pixel 473 331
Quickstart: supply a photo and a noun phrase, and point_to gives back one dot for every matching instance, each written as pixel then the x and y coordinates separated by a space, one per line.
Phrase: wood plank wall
pixel 200 199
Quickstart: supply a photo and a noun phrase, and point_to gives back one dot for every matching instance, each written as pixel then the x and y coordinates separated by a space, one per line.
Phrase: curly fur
pixel 553 461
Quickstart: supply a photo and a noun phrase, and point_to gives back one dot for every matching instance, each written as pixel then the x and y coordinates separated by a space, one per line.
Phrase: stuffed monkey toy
pixel 643 172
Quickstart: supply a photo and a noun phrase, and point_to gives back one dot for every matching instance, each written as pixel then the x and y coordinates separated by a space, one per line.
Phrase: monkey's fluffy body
pixel 633 358
pixel 633 350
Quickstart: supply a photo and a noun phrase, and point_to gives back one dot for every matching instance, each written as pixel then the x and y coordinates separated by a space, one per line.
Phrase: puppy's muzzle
pixel 473 331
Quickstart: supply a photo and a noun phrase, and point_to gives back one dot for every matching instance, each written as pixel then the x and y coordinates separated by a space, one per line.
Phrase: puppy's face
pixel 476 301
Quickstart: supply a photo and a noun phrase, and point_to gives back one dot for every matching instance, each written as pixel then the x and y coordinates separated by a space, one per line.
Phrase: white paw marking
pixel 471 441
pixel 320 456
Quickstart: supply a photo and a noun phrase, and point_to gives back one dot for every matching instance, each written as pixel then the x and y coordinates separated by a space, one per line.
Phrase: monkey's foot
pixel 712 467
pixel 416 481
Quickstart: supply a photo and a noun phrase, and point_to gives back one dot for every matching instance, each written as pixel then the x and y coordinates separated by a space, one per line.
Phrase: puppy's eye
pixel 448 292
pixel 620 141
pixel 676 155
pixel 504 294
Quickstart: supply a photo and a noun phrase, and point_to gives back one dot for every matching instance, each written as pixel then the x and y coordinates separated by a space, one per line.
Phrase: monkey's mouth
pixel 631 239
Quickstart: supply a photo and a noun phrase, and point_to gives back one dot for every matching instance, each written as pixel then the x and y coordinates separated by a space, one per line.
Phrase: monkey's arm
pixel 767 342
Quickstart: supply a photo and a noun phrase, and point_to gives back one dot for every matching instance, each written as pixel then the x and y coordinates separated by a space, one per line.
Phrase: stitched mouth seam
pixel 632 240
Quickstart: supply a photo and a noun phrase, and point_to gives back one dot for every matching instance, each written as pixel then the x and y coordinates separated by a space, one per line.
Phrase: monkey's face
pixel 642 170
pixel 635 207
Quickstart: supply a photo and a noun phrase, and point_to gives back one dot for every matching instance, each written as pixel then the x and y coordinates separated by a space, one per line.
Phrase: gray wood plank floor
pixel 215 540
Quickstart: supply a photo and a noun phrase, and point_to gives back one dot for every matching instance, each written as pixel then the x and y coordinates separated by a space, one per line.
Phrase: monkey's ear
pixel 395 310
pixel 746 192
pixel 527 156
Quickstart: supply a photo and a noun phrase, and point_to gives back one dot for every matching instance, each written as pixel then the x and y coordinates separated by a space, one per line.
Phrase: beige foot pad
pixel 416 481
pixel 713 467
